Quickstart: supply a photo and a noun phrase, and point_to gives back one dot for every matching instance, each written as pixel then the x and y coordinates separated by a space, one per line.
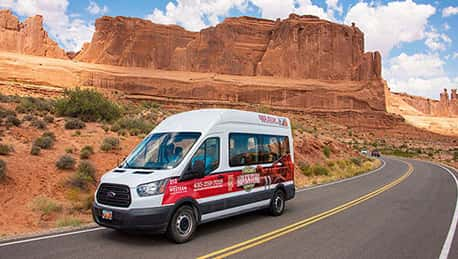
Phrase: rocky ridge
pixel 28 37
pixel 300 47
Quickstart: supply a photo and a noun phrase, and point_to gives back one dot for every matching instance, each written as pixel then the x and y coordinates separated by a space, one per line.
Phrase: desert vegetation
pixel 110 144
pixel 76 147
pixel 87 105
pixel 66 162
pixel 332 170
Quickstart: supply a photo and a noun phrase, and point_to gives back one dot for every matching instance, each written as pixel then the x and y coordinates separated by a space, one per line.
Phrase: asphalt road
pixel 394 212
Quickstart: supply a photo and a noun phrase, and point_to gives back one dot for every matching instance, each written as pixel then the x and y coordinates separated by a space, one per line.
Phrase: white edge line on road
pixel 343 180
pixel 451 233
pixel 100 228
pixel 50 236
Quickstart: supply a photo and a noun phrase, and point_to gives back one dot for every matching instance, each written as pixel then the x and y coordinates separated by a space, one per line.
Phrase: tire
pixel 182 225
pixel 277 204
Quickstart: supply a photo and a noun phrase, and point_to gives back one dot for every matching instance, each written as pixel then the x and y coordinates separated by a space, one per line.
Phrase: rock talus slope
pixel 27 37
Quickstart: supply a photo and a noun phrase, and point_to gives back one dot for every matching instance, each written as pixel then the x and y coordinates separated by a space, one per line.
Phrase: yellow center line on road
pixel 237 248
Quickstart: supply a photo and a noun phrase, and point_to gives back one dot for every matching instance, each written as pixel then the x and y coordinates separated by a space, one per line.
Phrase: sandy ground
pixel 30 176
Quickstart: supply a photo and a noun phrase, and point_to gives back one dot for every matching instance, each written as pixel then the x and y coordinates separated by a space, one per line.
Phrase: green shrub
pixel 35 150
pixel 9 98
pixel 110 143
pixel 74 124
pixel 86 171
pixel 5 113
pixel 87 105
pixel 12 120
pixel 34 105
pixel 356 160
pixel 48 118
pixel 69 150
pixel 320 170
pixel 28 117
pixel 49 134
pixel 45 205
pixel 326 151
pixel 305 168
pixel 38 123
pixel 68 222
pixel 66 162
pixel 85 175
pixel 86 152
pixel 134 126
pixel 44 142
pixel 455 155
pixel 2 169
pixel 5 149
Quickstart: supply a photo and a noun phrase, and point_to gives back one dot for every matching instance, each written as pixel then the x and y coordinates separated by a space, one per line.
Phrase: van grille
pixel 114 195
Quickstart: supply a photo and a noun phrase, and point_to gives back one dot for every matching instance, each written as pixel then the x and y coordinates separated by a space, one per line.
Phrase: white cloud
pixel 192 14
pixel 195 15
pixel 455 55
pixel 418 74
pixel 71 32
pixel 449 11
pixel 95 9
pixel 436 41
pixel 273 9
pixel 387 26
pixel 333 5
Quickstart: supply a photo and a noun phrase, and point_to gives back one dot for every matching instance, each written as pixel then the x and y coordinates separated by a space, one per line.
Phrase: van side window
pixel 284 145
pixel 270 149
pixel 243 149
pixel 208 153
pixel 250 149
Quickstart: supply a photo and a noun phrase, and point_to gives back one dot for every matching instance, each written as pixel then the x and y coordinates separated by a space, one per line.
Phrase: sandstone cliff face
pixel 134 42
pixel 28 37
pixel 446 106
pixel 302 47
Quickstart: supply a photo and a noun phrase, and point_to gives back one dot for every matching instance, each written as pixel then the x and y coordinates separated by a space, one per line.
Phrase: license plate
pixel 107 214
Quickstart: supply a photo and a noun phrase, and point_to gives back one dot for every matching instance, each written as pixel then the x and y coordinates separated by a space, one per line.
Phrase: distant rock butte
pixel 405 104
pixel 27 37
pixel 302 47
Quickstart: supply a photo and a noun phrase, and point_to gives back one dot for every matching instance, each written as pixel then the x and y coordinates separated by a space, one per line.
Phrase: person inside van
pixel 173 154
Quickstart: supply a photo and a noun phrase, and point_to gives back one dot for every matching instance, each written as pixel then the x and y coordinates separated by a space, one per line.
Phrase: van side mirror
pixel 197 170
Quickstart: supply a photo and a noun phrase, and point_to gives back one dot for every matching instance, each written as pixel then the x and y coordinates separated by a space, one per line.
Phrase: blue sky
pixel 418 39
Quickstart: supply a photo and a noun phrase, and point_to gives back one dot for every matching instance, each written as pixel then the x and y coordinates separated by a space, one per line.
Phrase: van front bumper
pixel 153 220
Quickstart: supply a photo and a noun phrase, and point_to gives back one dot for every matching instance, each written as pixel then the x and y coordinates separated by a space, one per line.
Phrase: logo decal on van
pixel 248 179
pixel 273 120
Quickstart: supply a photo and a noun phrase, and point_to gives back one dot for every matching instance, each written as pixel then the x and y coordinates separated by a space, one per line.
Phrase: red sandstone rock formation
pixel 298 47
pixel 134 42
pixel 28 37
pixel 444 107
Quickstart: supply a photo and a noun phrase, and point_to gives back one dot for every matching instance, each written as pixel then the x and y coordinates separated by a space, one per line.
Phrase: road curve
pixel 410 218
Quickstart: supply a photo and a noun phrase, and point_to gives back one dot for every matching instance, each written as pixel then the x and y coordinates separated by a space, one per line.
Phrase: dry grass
pixel 45 205
pixel 334 170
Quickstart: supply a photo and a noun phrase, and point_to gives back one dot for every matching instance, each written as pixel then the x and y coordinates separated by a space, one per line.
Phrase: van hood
pixel 135 177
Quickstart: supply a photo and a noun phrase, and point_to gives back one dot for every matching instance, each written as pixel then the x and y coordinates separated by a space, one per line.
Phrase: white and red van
pixel 199 166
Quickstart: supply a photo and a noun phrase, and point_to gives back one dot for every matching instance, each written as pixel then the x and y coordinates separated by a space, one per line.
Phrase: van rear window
pixel 250 149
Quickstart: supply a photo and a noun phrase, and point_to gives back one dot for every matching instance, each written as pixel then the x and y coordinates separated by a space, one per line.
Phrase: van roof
pixel 205 119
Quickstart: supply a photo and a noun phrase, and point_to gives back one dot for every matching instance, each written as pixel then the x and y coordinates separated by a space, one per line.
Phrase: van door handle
pixel 220 176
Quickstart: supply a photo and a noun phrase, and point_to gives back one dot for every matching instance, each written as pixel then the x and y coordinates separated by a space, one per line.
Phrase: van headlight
pixel 152 188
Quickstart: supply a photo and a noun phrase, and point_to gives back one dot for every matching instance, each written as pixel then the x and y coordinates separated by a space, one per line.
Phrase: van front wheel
pixel 182 225
pixel 277 204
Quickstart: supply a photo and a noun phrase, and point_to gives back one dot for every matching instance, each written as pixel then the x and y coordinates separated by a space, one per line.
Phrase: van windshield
pixel 161 150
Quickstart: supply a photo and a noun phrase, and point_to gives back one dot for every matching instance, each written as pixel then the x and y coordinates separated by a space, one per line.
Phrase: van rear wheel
pixel 182 225
pixel 277 204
